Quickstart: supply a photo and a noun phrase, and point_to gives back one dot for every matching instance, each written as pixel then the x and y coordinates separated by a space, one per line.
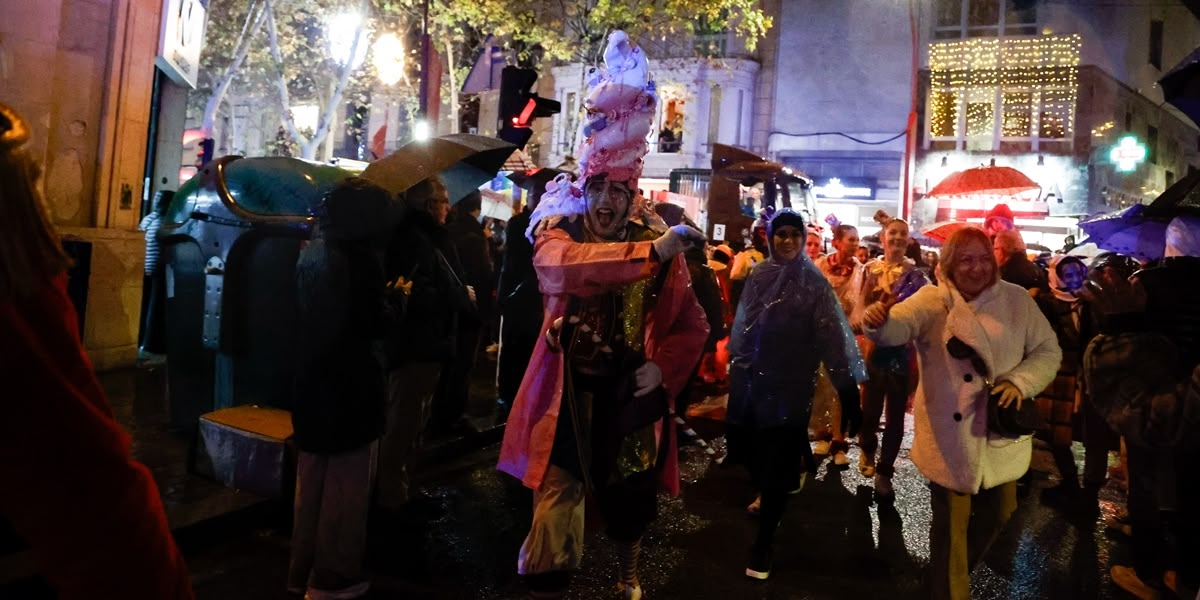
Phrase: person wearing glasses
pixel 789 325
pixel 1005 348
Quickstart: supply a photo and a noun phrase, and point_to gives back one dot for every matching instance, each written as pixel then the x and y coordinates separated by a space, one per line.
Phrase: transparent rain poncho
pixel 788 323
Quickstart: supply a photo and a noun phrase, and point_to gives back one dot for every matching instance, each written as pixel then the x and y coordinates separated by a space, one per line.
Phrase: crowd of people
pixel 612 315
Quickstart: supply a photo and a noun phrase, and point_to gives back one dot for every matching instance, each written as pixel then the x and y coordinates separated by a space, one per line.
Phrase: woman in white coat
pixel 972 472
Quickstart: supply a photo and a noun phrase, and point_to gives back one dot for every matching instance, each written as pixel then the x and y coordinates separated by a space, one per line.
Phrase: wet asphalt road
pixel 836 542
pixel 462 540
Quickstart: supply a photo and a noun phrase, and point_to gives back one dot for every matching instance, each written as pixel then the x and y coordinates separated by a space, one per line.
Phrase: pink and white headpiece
pixel 620 109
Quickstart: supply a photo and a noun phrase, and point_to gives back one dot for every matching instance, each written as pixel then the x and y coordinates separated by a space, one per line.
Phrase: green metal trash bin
pixel 229 243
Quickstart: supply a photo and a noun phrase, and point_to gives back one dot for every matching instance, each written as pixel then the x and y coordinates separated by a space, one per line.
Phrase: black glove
pixel 852 415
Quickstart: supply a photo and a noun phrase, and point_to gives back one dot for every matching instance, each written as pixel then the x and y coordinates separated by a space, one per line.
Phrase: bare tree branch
pixel 335 99
pixel 254 20
pixel 285 103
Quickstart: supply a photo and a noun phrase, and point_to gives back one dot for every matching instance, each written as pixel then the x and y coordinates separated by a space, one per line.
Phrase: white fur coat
pixel 952 446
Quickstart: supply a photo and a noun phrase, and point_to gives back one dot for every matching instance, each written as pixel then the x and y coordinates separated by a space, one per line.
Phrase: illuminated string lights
pixel 1028 81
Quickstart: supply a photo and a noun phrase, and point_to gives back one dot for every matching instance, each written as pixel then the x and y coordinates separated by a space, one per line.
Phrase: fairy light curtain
pixel 985 90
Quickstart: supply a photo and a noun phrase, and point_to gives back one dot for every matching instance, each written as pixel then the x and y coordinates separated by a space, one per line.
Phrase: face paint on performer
pixel 607 208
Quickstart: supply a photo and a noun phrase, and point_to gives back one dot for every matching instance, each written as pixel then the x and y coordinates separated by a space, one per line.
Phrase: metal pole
pixel 424 95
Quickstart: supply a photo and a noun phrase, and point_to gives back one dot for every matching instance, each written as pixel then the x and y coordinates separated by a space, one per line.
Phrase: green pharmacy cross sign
pixel 1127 154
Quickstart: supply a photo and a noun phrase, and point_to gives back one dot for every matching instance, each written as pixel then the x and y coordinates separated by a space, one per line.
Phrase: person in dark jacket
pixel 518 296
pixel 474 263
pixel 1143 377
pixel 1059 401
pixel 1009 249
pixel 425 339
pixel 337 412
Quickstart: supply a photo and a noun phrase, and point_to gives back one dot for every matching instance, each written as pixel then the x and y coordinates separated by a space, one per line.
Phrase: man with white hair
pixel 1009 248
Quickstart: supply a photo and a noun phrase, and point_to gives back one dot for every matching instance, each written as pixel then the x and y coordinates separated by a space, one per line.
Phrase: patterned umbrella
pixel 940 232
pixel 1129 231
pixel 985 181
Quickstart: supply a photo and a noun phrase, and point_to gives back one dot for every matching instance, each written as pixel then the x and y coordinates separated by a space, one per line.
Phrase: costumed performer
pixel 623 331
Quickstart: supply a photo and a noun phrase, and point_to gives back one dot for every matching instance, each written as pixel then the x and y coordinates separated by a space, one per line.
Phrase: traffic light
pixel 519 105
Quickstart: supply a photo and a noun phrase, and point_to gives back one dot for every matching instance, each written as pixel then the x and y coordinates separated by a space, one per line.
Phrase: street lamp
pixel 388 59
pixel 341 30
pixel 421 129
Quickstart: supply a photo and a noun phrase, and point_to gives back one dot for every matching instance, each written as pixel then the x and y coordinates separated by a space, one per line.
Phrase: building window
pixel 1055 115
pixel 668 126
pixel 1018 112
pixel 957 19
pixel 997 94
pixel 570 122
pixel 1156 44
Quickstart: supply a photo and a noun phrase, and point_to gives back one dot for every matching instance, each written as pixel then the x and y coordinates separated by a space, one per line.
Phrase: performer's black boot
pixel 549 585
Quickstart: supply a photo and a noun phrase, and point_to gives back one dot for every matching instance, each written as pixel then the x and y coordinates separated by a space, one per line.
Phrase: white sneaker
pixel 821 448
pixel 840 459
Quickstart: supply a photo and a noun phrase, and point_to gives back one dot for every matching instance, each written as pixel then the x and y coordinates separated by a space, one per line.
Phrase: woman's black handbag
pixel 1010 421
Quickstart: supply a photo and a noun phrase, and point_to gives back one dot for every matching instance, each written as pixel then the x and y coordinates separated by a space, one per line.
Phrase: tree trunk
pixel 309 146
pixel 289 123
pixel 254 20
pixel 331 108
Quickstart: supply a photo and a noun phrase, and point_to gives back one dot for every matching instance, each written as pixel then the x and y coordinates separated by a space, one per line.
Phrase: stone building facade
pixel 82 72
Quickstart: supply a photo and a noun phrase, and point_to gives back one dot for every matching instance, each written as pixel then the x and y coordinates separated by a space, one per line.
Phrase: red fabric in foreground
pixel 91 514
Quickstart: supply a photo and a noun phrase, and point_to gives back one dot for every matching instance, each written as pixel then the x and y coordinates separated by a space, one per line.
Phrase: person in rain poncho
pixel 788 323
pixel 623 331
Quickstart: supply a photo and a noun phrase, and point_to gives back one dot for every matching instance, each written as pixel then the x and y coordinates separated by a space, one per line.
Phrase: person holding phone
pixel 972 472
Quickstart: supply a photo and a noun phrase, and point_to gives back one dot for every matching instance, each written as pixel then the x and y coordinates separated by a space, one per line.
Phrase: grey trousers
pixel 329 535
pixel 410 397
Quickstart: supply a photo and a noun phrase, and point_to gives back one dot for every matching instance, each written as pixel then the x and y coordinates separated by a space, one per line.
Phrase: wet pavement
pixel 461 539
pixel 835 542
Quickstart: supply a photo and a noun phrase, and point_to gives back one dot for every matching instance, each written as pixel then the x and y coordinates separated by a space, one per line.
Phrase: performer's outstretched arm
pixel 565 266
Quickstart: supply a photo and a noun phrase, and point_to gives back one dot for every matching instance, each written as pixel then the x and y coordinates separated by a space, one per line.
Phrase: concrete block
pixel 114 295
pixel 246 448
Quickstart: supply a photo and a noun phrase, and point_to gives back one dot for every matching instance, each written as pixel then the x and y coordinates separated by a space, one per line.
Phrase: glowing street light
pixel 421 130
pixel 341 30
pixel 388 59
